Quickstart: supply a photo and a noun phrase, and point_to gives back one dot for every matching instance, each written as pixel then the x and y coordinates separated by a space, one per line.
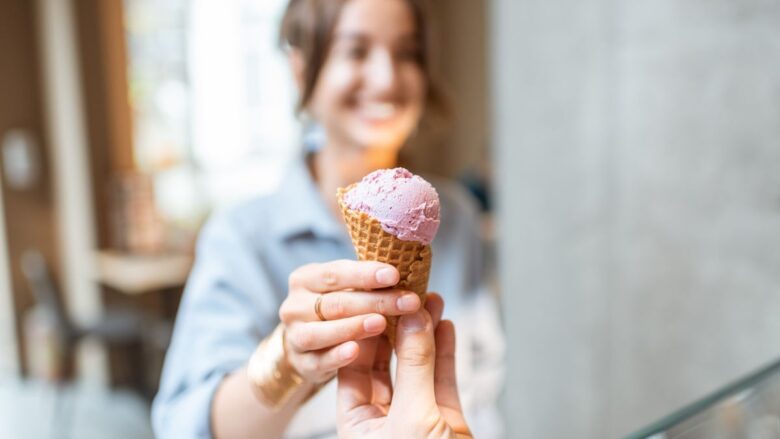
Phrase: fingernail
pixel 413 323
pixel 374 324
pixel 408 302
pixel 386 276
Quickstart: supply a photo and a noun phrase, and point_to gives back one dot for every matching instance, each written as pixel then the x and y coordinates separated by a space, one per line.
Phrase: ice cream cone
pixel 372 243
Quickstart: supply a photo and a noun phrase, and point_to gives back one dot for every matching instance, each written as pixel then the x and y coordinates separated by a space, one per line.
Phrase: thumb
pixel 416 352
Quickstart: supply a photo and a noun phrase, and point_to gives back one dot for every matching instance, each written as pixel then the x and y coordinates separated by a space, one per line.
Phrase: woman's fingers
pixel 343 304
pixel 354 382
pixel 321 365
pixel 342 275
pixel 313 336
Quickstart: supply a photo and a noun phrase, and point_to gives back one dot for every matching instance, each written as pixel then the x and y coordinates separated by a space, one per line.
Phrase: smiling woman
pixel 276 304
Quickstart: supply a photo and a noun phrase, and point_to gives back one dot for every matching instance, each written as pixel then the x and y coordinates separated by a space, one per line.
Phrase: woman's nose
pixel 381 73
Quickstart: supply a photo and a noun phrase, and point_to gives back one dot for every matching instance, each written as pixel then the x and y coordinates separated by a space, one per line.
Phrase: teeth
pixel 380 111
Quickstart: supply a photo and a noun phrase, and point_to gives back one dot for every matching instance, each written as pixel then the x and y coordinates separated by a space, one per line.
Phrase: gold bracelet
pixel 274 380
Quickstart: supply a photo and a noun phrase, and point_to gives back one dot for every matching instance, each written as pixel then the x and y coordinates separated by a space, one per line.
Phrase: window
pixel 212 100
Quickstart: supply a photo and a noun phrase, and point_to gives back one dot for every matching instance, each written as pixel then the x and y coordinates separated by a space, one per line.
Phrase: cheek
pixel 335 86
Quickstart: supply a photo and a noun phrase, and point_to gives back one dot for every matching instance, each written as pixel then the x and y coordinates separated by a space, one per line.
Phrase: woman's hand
pixel 425 401
pixel 317 348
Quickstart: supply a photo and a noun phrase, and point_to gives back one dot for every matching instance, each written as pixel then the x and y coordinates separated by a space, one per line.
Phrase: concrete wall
pixel 637 146
pixel 464 68
pixel 460 63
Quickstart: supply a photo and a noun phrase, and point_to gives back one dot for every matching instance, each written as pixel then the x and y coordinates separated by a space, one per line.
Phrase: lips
pixel 380 112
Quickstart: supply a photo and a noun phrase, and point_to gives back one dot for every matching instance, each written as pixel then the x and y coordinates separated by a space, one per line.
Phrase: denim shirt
pixel 239 280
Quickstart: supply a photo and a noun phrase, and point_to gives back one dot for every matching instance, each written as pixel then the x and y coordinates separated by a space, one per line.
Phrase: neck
pixel 333 167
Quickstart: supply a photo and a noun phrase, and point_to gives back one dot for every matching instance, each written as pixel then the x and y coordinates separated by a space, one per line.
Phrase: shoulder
pixel 248 221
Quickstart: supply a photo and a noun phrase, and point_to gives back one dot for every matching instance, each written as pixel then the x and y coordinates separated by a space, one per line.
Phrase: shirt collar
pixel 301 209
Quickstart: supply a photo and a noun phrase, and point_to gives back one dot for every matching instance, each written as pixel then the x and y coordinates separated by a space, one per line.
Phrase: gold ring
pixel 317 308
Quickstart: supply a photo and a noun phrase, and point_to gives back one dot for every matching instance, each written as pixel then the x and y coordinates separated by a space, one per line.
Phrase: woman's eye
pixel 410 54
pixel 357 52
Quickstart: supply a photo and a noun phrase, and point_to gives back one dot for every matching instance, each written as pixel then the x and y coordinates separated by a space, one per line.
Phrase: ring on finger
pixel 318 308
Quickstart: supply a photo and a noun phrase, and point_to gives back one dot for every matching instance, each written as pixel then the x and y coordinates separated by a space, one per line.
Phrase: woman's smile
pixel 381 112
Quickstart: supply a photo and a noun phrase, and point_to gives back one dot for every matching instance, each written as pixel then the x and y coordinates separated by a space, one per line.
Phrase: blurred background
pixel 627 154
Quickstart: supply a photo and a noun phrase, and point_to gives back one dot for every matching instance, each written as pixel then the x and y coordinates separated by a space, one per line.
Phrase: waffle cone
pixel 372 243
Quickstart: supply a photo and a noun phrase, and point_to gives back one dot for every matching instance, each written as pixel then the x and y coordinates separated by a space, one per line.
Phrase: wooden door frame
pixel 103 63
pixel 29 212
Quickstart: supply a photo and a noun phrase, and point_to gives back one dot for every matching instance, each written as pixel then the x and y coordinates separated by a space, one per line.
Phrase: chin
pixel 390 136
pixel 382 139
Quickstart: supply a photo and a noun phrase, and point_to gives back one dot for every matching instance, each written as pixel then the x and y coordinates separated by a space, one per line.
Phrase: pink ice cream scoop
pixel 405 204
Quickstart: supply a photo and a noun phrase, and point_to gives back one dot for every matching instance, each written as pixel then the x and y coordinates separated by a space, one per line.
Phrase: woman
pixel 363 73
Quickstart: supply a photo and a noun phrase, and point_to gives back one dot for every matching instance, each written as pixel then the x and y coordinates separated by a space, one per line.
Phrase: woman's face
pixel 370 91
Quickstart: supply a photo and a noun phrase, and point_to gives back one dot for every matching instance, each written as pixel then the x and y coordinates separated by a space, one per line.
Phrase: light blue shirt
pixel 243 259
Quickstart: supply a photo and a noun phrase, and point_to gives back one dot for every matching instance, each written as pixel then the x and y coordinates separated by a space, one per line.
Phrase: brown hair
pixel 308 26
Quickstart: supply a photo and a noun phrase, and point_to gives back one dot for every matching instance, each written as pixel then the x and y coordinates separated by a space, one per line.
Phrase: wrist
pixel 272 377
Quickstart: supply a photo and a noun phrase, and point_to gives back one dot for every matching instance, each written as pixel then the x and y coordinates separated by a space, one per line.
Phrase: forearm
pixel 237 413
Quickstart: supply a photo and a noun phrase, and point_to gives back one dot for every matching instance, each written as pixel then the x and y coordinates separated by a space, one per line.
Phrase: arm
pixel 236 410
pixel 313 349
pixel 228 308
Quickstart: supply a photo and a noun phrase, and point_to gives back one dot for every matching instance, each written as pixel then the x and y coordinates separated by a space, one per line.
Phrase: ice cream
pixel 392 216
pixel 406 205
